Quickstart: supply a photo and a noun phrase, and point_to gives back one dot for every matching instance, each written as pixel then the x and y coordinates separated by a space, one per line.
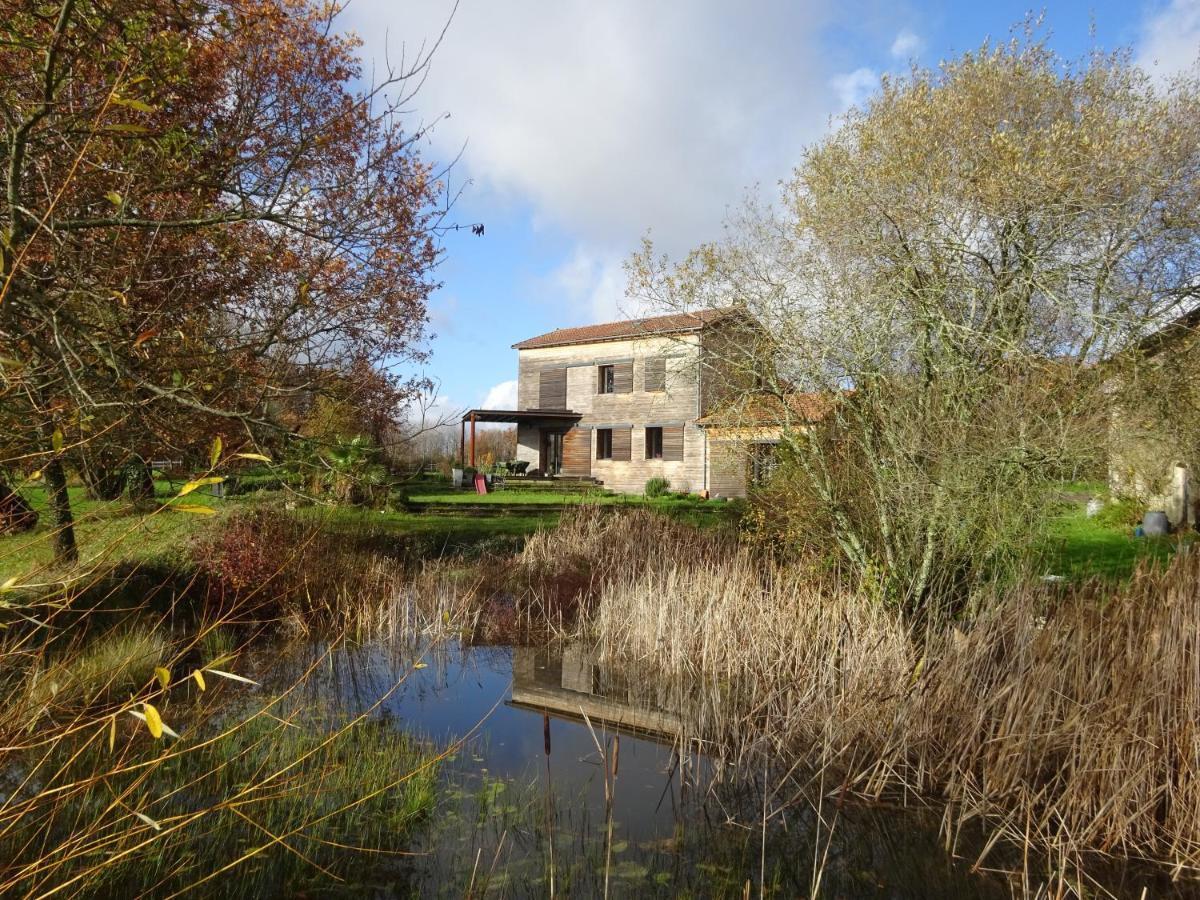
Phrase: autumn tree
pixel 949 266
pixel 205 217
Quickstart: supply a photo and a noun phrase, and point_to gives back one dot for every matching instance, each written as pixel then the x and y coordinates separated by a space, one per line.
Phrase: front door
pixel 552 452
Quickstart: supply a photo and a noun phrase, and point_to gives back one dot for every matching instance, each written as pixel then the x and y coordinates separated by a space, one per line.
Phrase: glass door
pixel 552 452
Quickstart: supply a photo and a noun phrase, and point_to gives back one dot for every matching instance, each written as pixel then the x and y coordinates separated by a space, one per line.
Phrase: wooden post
pixel 462 443
pixel 472 440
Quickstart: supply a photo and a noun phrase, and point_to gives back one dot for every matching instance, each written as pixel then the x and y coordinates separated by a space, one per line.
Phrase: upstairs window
pixel 604 443
pixel 654 443
pixel 606 380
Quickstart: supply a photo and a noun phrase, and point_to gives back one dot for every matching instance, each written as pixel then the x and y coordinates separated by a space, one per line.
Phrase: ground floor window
pixel 654 443
pixel 763 462
pixel 603 443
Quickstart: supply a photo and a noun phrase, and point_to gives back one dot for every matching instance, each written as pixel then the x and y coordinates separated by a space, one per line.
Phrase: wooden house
pixel 623 402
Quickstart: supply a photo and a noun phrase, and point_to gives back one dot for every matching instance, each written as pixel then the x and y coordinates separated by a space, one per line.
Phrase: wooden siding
pixel 623 378
pixel 577 452
pixel 727 469
pixel 552 388
pixel 622 444
pixel 654 378
pixel 672 444
pixel 676 405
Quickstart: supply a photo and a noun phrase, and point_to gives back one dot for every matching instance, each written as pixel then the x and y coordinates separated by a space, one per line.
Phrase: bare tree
pixel 950 264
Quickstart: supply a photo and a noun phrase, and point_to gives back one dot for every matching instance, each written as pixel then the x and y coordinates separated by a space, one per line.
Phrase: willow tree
pixel 951 263
pixel 205 218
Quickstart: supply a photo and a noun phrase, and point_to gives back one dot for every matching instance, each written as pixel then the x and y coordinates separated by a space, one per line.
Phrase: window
pixel 603 443
pixel 654 443
pixel 762 462
pixel 606 381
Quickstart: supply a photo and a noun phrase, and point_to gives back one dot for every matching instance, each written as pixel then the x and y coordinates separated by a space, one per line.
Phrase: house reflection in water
pixel 572 684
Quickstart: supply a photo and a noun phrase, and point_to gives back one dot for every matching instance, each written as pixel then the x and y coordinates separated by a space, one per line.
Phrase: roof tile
pixel 675 323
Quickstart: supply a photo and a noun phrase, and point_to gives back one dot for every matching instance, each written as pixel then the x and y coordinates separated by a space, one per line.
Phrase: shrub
pixel 657 487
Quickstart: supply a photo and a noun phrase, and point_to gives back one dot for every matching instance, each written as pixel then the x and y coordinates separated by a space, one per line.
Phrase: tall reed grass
pixel 1066 719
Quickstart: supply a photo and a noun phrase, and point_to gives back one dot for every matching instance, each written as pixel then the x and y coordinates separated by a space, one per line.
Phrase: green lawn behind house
pixel 1103 546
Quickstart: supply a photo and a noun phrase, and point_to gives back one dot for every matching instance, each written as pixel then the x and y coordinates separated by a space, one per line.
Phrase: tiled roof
pixel 675 323
pixel 768 409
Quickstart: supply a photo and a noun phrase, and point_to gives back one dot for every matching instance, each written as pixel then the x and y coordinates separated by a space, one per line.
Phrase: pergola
pixel 544 417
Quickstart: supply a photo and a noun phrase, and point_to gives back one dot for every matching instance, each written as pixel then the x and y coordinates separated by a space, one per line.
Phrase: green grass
pixel 1078 547
pixel 112 530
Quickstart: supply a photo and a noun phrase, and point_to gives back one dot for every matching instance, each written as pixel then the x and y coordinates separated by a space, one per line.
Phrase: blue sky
pixel 586 124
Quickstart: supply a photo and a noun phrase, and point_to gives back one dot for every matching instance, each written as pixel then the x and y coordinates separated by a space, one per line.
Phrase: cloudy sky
pixel 586 124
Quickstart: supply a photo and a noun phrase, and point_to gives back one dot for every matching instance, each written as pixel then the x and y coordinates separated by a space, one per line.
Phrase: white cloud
pixel 907 44
pixel 1170 39
pixel 611 118
pixel 852 88
pixel 501 396
pixel 593 284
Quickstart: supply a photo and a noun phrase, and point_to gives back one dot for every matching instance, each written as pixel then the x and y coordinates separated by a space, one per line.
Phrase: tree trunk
pixel 139 481
pixel 65 550
pixel 16 515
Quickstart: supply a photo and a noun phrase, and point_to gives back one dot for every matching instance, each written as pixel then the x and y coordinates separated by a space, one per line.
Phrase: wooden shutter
pixel 577 452
pixel 656 374
pixel 622 378
pixel 552 389
pixel 622 443
pixel 672 443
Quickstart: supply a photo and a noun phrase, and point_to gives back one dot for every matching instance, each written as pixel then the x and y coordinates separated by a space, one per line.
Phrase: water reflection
pixel 513 817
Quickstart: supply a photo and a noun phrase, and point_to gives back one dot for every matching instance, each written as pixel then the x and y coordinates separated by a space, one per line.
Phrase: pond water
pixel 524 796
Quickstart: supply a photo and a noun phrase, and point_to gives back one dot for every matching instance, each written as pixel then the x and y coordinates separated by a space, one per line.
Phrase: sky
pixel 581 126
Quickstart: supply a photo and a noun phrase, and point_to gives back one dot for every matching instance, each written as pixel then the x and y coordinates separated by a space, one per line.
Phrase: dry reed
pixel 1067 719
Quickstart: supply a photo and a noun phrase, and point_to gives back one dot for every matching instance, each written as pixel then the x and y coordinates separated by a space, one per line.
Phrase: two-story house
pixel 622 402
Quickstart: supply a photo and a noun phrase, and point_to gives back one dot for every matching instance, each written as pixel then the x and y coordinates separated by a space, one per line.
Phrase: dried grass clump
pixel 594 545
pixel 1065 718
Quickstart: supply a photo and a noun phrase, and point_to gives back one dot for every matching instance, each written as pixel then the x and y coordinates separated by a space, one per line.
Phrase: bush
pixel 657 487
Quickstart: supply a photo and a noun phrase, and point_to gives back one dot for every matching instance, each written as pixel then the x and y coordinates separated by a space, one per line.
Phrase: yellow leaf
pixel 145 717
pixel 8 584
pixel 199 483
pixel 139 105
pixel 195 509
pixel 214 455
pixel 199 676
pixel 112 733
pixel 153 720
pixel 163 675
pixel 114 198
pixel 36 476
pixel 257 456
pixel 916 672
pixel 421 665
pixel 56 440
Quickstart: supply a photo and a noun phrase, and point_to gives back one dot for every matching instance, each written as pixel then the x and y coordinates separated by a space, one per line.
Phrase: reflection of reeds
pixel 1066 719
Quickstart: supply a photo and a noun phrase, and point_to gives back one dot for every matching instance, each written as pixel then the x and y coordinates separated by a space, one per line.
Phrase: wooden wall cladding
pixel 656 374
pixel 622 443
pixel 672 443
pixel 552 389
pixel 623 378
pixel 577 452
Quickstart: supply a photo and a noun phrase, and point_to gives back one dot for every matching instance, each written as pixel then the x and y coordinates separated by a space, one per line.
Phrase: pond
pixel 544 740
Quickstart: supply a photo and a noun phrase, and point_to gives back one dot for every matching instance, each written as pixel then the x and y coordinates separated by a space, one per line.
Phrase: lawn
pixel 112 529
pixel 445 520
pixel 1078 546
